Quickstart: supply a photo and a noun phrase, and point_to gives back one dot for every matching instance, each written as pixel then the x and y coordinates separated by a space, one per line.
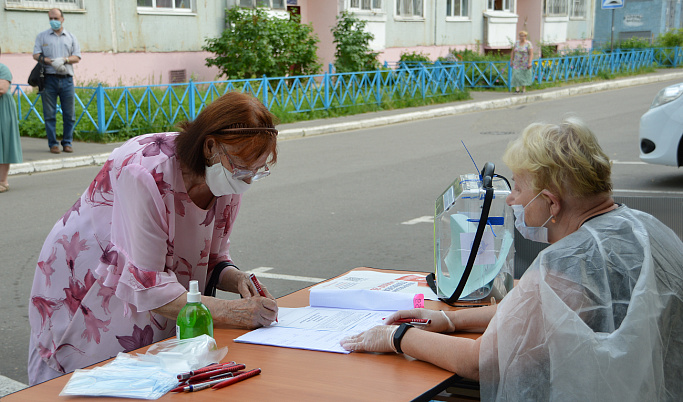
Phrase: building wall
pixel 122 45
pixel 322 14
pixel 642 18
pixel 119 45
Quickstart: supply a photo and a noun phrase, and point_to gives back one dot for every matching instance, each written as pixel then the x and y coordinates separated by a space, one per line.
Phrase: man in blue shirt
pixel 61 51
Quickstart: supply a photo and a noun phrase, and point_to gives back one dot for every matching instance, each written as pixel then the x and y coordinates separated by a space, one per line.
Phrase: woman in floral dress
pixel 521 59
pixel 114 271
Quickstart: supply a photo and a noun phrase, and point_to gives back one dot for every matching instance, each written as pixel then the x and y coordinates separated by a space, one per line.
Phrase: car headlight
pixel 667 95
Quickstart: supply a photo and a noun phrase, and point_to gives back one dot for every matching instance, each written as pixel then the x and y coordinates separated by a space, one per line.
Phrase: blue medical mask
pixel 55 24
pixel 539 234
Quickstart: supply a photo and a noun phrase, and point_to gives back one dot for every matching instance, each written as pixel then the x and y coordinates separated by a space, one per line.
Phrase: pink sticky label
pixel 419 301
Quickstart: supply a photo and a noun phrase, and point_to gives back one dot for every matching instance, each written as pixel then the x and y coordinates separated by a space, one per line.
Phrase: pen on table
pixel 237 378
pixel 209 374
pixel 213 377
pixel 258 287
pixel 414 321
pixel 210 367
pixel 200 386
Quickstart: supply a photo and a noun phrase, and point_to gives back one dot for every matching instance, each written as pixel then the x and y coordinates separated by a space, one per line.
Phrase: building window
pixel 457 8
pixel 367 5
pixel 64 5
pixel 578 9
pixel 409 8
pixel 273 4
pixel 501 5
pixel 172 6
pixel 555 8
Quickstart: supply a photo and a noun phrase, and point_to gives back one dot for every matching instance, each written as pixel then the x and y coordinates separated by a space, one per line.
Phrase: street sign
pixel 612 4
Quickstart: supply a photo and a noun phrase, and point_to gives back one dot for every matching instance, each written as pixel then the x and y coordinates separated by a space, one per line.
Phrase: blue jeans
pixel 62 86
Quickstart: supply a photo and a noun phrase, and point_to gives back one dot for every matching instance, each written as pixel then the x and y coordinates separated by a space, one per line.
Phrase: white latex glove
pixel 378 339
pixel 440 322
pixel 58 65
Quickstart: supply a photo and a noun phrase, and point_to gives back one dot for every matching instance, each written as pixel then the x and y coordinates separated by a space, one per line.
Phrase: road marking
pixel 262 272
pixel 648 192
pixel 422 219
pixel 628 163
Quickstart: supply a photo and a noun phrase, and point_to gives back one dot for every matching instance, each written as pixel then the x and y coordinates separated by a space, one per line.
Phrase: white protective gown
pixel 598 316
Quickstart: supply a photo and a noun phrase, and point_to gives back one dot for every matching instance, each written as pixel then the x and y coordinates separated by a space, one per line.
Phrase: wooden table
pixel 302 375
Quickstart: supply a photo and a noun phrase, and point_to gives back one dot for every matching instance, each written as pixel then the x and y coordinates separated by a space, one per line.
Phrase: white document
pixel 364 299
pixel 387 282
pixel 314 328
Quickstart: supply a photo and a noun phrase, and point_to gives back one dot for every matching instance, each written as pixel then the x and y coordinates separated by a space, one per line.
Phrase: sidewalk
pixel 37 157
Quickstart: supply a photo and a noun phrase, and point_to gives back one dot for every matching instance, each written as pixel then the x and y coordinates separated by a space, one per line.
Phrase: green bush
pixel 671 38
pixel 352 42
pixel 254 44
pixel 414 56
pixel 634 43
pixel 471 55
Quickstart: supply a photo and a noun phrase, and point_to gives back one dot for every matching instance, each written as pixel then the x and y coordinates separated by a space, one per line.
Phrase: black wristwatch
pixel 398 335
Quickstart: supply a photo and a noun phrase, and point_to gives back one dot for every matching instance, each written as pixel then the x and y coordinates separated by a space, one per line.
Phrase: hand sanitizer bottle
pixel 194 318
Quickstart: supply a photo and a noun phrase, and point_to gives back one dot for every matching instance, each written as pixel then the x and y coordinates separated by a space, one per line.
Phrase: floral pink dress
pixel 130 244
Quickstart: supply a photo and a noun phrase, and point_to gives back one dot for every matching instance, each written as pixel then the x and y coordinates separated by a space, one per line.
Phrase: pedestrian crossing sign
pixel 611 4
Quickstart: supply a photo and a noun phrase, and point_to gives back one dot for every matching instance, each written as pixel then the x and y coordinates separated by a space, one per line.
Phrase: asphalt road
pixel 339 201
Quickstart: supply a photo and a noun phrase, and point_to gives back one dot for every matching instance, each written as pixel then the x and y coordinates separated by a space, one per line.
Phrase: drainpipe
pixel 112 27
pixel 435 20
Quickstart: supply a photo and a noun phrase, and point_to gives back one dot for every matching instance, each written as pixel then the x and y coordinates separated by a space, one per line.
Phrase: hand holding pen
pixel 260 289
pixel 429 320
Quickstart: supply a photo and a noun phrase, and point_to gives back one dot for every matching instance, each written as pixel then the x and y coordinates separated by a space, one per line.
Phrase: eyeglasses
pixel 242 173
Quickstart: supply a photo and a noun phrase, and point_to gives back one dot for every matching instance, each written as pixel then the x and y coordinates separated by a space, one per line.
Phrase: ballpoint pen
pixel 210 367
pixel 213 377
pixel 414 321
pixel 200 386
pixel 221 370
pixel 258 287
pixel 237 378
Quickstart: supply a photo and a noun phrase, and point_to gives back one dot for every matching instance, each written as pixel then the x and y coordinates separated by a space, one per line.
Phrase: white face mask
pixel 539 234
pixel 220 181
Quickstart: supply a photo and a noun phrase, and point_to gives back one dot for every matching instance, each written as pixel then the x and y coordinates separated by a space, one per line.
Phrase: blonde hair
pixel 563 158
pixel 525 33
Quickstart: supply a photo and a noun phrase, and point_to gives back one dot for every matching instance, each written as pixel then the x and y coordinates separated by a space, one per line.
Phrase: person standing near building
pixel 61 51
pixel 521 59
pixel 10 144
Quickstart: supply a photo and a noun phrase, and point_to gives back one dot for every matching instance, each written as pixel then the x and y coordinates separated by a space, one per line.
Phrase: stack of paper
pixel 332 315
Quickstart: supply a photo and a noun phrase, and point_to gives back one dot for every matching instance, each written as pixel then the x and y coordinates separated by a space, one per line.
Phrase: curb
pixel 56 164
pixel 8 386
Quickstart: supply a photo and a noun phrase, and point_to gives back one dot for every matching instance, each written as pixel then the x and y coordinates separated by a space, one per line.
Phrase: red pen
pixel 213 377
pixel 209 374
pixel 200 386
pixel 415 321
pixel 210 367
pixel 258 287
pixel 237 378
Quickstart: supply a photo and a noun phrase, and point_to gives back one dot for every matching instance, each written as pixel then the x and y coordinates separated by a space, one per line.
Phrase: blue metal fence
pixel 109 109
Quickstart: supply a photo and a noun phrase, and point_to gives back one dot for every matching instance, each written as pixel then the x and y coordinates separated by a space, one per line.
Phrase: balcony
pixel 500 29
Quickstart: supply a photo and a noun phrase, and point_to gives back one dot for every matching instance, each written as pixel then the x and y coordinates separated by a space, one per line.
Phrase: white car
pixel 661 128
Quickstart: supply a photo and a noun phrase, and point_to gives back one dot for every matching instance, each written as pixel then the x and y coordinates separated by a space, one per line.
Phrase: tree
pixel 353 51
pixel 254 44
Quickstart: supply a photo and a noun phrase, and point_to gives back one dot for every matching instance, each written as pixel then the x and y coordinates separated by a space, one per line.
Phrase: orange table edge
pixel 301 374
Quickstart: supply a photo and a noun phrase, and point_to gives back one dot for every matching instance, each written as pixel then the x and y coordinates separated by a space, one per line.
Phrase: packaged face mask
pixel 149 375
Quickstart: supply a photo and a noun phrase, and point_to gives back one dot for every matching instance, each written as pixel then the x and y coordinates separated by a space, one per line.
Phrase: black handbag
pixel 37 76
